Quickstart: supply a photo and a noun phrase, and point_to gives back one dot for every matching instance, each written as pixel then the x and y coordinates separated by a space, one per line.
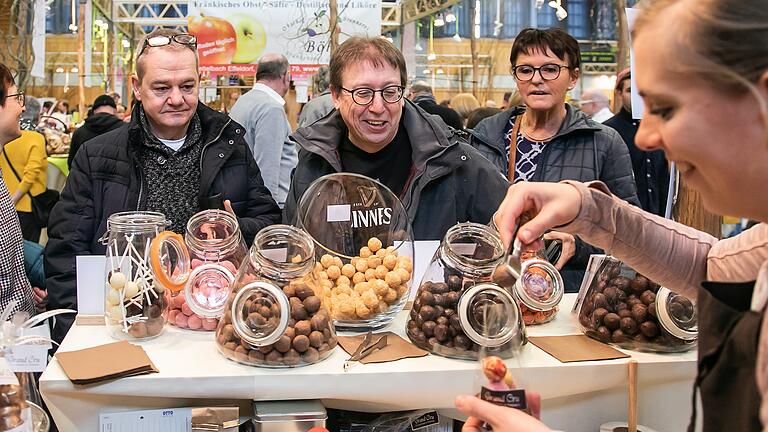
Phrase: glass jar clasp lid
pixel 202 272
pixel 241 328
pixel 511 316
pixel 536 298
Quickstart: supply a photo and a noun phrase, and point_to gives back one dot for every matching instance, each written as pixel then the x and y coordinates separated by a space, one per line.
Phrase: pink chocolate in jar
pixel 181 320
pixel 210 324
pixel 195 322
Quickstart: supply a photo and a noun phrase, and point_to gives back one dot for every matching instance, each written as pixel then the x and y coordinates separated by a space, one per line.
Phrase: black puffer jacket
pixel 451 181
pixel 94 126
pixel 583 150
pixel 106 178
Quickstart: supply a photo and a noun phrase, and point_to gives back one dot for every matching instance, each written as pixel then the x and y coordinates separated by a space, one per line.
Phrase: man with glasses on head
pixel 176 157
pixel 547 140
pixel 375 132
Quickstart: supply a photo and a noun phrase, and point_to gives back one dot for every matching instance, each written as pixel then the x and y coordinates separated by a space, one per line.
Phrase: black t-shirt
pixel 391 165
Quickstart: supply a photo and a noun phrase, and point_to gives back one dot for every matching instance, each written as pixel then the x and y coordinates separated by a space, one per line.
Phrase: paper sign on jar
pixel 30 358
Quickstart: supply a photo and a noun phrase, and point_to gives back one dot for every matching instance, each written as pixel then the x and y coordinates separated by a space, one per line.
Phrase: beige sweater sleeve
pixel 669 253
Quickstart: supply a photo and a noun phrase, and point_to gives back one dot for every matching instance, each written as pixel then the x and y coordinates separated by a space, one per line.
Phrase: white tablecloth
pixel 576 396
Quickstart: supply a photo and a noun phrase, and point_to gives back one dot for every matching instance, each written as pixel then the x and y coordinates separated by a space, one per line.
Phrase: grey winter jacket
pixel 450 181
pixel 583 150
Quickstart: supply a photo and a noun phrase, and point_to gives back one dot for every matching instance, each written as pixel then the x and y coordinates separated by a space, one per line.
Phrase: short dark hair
pixel 272 69
pixel 421 87
pixel 174 46
pixel 6 82
pixel 479 114
pixel 375 50
pixel 562 45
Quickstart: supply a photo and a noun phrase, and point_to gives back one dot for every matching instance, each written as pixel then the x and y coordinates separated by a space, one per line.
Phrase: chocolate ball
pixel 639 312
pixel 451 299
pixel 612 321
pixel 440 311
pixel 441 320
pixel 283 344
pixel 299 313
pixel 648 297
pixel 621 283
pixel 311 355
pixel 274 358
pixel 303 328
pixel 255 356
pixel 241 353
pixel 231 346
pixel 652 310
pixel 427 299
pixel 303 291
pixel 312 304
pixel 449 313
pixel 462 342
pixel 266 349
pixel 255 320
pixel 438 300
pixel 597 317
pixel 454 321
pixel 629 326
pixel 625 313
pixel 454 282
pixel 503 277
pixel 292 358
pixel 638 284
pixel 603 333
pixel 600 301
pixel 432 341
pixel 290 332
pixel 649 329
pixel 611 294
pixel 319 322
pixel 618 336
pixel 138 330
pixel 441 332
pixel 429 328
pixel 428 313
pixel 301 343
pixel 316 339
pixel 289 290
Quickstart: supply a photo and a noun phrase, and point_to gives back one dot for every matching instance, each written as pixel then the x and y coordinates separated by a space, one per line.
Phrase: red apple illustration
pixel 216 39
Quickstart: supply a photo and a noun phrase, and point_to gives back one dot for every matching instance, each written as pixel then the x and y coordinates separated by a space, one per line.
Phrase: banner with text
pixel 233 34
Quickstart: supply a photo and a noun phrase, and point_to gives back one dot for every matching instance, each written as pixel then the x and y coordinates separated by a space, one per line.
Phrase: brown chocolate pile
pixel 434 320
pixel 622 311
pixel 307 339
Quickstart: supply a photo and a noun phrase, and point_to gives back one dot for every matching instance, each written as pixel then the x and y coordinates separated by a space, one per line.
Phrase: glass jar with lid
pixel 274 316
pixel 458 309
pixel 198 270
pixel 134 300
pixel 622 307
pixel 539 289
pixel 363 246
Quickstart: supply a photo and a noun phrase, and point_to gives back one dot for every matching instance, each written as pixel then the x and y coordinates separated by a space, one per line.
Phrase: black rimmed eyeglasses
pixel 185 39
pixel 21 98
pixel 548 72
pixel 364 95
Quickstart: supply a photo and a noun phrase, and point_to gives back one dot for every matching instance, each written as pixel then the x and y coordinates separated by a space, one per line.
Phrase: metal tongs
pixel 365 349
pixel 508 271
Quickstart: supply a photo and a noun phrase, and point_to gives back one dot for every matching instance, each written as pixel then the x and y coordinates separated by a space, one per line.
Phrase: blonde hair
pixel 464 104
pixel 724 42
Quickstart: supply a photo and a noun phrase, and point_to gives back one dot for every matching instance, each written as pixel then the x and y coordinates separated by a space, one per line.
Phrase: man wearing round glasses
pixel 176 157
pixel 375 132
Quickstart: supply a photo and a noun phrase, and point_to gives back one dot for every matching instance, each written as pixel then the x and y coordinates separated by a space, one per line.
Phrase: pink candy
pixel 185 309
pixel 181 321
pixel 195 322
pixel 210 324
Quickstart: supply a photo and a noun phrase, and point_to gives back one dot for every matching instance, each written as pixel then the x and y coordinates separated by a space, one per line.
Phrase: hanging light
pixel 75 69
pixel 440 71
pixel 431 56
pixel 477 19
pixel 450 16
pixel 418 47
pixel 59 69
pixel 439 21
pixel 456 36
pixel 560 11
pixel 426 71
pixel 497 25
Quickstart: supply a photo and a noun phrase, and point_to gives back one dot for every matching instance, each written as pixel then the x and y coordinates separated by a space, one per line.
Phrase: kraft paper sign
pixel 576 348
